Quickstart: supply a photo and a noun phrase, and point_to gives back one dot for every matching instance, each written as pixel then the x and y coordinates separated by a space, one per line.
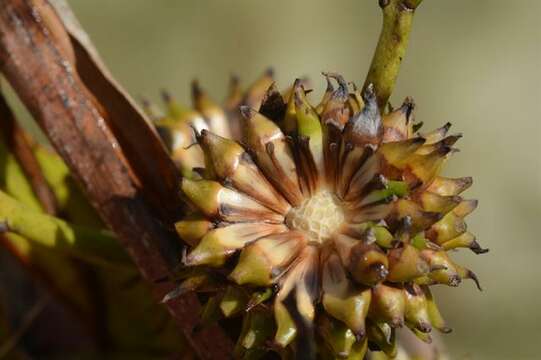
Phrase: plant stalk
pixel 391 48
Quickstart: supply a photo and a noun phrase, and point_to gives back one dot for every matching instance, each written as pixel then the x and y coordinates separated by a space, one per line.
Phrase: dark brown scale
pixel 273 105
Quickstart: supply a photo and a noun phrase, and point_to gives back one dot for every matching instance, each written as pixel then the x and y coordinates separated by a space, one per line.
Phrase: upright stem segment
pixel 392 44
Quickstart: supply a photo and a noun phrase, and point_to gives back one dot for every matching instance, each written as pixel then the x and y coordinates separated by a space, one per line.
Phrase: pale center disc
pixel 319 216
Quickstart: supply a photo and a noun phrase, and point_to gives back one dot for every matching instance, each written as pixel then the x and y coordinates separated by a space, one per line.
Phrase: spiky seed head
pixel 337 212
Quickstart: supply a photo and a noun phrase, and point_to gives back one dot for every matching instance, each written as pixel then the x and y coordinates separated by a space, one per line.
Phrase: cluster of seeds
pixel 325 221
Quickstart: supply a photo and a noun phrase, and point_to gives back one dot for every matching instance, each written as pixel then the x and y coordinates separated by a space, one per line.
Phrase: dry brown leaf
pixel 108 144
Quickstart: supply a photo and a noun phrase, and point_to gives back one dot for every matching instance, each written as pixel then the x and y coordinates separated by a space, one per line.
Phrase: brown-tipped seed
pixel 422 169
pixel 362 134
pixel 256 92
pixel 398 154
pixel 334 115
pixel 420 219
pixel 388 160
pixel 178 114
pixel 218 244
pixel 398 124
pixel 406 264
pixel 326 97
pixel 341 299
pixel 465 240
pixel 230 162
pixel 452 225
pixel 465 208
pixel 385 190
pixel 388 305
pixel 446 142
pixel 416 309
pixel 264 260
pixel 193 227
pixel 309 146
pixel 335 110
pixel 438 134
pixel 437 203
pixel 289 123
pixel 449 227
pixel 272 153
pixel 448 186
pixel 179 138
pixel 231 106
pixel 366 262
pixel 443 269
pixel 212 112
pixel 219 202
pixel 382 235
pixel 434 314
pixel 465 273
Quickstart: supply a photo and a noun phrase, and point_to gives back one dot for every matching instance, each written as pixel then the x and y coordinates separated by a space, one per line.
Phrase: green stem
pixel 96 247
pixel 391 48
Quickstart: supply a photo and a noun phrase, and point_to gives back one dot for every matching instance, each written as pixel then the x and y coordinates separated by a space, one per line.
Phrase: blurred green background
pixel 473 63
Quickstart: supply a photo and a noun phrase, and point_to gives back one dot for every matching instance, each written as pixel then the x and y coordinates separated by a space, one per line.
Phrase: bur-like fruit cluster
pixel 326 221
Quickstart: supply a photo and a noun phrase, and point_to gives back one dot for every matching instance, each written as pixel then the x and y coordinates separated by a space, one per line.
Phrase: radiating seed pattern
pixel 338 214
